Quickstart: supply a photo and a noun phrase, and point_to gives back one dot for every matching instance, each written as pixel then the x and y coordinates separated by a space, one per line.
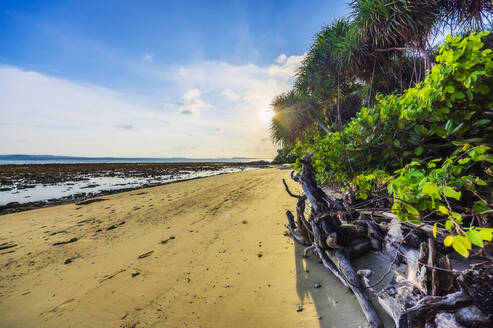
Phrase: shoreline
pixel 32 175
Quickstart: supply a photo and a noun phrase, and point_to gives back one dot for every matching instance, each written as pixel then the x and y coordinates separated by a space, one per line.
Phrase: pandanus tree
pixel 294 115
pixel 408 25
pixel 396 25
pixel 327 74
pixel 383 47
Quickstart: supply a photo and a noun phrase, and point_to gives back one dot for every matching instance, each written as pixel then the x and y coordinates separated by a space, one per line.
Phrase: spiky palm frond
pixel 291 118
pixel 468 14
pixel 395 23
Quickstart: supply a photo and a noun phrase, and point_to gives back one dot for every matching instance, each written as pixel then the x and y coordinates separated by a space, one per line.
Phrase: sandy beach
pixel 209 252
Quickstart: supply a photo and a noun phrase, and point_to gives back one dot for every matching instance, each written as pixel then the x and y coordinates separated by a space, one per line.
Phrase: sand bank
pixel 203 253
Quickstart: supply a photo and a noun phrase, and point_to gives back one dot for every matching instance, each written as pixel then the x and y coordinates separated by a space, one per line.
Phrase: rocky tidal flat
pixel 30 186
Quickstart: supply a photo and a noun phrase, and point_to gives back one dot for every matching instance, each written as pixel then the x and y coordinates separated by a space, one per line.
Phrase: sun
pixel 266 114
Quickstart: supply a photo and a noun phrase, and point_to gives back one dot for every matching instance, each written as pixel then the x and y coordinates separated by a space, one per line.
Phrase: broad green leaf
pixel 475 237
pixel 451 192
pixel 479 182
pixel 459 246
pixel 486 233
pixel 449 89
pixel 464 241
pixel 459 95
pixel 430 189
pixel 418 151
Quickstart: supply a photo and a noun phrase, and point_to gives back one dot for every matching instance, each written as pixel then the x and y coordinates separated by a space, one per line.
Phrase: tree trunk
pixel 322 125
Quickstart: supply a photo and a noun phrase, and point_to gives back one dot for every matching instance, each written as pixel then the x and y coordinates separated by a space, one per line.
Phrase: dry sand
pixel 229 264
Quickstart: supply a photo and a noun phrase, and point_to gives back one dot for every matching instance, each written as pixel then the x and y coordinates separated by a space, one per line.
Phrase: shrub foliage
pixel 429 148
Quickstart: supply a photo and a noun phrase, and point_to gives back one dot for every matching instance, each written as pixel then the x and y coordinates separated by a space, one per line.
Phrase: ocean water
pixel 48 159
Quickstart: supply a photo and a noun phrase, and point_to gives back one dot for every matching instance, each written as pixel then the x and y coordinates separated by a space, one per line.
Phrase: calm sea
pixel 30 159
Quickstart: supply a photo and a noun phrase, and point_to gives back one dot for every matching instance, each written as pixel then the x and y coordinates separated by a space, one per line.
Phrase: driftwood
pixel 331 240
pixel 430 295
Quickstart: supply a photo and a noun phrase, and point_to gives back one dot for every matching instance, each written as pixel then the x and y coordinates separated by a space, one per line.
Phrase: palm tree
pixel 293 116
pixel 396 25
pixel 331 67
pixel 467 14
pixel 407 25
pixel 384 46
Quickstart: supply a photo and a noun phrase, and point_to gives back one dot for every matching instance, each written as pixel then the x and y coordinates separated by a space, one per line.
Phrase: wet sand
pixel 203 253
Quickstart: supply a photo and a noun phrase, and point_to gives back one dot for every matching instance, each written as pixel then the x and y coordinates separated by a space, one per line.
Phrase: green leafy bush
pixel 429 146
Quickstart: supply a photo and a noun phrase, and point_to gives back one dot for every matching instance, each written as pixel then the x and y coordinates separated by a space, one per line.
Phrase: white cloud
pixel 230 94
pixel 250 87
pixel 42 114
pixel 288 67
pixel 124 126
pixel 192 102
pixel 147 58
pixel 281 59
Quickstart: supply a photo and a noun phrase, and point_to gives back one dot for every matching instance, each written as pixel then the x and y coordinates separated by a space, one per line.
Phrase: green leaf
pixel 486 233
pixel 474 237
pixel 451 193
pixel 482 122
pixel 464 160
pixel 431 189
pixel 363 195
pixel 449 224
pixel 449 89
pixel 460 245
pixel 459 95
pixel 418 151
pixel 479 182
pixel 440 131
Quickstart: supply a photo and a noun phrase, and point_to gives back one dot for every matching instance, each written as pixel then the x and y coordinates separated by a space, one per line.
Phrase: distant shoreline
pixel 30 186
pixel 16 159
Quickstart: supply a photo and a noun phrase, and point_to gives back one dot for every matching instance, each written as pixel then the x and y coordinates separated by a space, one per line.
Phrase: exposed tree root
pixel 428 297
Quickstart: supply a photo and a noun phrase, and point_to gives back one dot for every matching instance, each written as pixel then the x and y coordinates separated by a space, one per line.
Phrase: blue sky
pixel 149 78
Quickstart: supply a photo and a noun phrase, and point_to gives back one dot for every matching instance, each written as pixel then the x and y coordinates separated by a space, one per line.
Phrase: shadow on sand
pixel 335 305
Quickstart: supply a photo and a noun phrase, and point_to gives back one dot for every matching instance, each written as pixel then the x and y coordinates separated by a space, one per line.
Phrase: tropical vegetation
pixel 389 112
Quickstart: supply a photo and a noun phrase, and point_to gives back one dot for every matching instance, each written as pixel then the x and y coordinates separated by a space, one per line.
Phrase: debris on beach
pixel 166 240
pixel 145 255
pixel 65 242
pixel 7 245
pixel 90 201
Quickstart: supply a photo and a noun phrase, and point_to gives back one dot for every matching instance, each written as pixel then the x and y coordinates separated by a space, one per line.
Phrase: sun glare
pixel 266 114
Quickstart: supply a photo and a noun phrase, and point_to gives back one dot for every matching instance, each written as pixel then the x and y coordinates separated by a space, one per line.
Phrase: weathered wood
pixel 445 320
pixel 477 282
pixel 303 225
pixel 411 301
pixel 472 316
pixel 328 224
pixel 395 298
pixel 432 276
pixel 428 306
pixel 346 270
pixel 294 231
